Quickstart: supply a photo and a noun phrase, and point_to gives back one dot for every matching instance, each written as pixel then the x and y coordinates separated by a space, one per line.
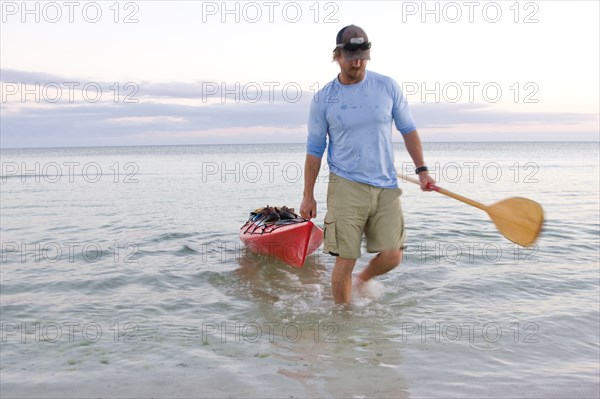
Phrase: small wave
pixel 172 236
pixel 186 250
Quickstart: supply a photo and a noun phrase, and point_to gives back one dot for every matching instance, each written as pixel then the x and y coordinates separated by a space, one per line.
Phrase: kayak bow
pixel 288 240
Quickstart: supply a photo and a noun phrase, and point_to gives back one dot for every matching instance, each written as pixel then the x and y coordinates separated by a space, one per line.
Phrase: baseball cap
pixel 354 43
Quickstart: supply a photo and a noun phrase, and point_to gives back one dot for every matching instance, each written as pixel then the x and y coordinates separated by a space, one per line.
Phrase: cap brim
pixel 357 55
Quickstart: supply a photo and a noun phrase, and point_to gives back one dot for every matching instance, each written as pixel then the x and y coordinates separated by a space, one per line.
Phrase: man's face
pixel 352 71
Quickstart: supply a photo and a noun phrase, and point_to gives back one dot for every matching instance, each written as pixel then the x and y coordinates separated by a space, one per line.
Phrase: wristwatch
pixel 421 169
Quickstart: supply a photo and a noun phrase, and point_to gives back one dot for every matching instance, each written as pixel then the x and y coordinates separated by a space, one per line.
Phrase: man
pixel 355 112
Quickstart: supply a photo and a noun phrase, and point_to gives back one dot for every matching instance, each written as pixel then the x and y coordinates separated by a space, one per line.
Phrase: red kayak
pixel 290 240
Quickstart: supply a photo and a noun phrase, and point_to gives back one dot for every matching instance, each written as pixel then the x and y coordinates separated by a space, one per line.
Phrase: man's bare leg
pixel 341 280
pixel 381 264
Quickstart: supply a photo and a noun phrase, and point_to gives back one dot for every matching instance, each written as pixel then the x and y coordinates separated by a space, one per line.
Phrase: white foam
pixel 365 293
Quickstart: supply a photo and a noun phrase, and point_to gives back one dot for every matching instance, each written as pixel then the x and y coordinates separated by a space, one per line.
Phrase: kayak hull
pixel 290 243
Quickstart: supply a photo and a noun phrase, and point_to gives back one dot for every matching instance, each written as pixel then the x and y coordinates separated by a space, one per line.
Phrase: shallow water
pixel 123 275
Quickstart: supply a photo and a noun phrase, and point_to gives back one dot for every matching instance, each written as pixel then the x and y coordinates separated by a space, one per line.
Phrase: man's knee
pixel 392 257
pixel 342 270
pixel 345 265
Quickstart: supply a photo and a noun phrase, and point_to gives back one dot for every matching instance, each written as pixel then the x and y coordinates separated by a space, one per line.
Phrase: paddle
pixel 518 219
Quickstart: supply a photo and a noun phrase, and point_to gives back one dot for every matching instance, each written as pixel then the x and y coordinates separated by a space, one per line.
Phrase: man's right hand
pixel 308 208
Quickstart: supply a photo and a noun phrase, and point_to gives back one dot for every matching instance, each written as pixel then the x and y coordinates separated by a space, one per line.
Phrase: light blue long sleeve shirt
pixel 357 120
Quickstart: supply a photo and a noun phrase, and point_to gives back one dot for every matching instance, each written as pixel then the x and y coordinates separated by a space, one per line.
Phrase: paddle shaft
pixel 448 193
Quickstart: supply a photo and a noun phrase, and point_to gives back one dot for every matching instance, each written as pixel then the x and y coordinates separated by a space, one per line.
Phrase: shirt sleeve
pixel 402 116
pixel 317 129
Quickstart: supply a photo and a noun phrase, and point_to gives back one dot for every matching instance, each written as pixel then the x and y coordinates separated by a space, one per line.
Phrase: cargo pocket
pixel 330 245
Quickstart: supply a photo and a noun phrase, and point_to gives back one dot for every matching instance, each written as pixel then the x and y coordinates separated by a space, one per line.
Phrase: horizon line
pixel 296 143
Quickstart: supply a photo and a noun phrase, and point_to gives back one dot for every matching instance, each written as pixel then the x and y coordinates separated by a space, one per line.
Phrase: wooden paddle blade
pixel 518 219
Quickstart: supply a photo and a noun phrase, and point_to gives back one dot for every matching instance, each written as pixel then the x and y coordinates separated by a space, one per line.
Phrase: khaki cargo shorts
pixel 355 208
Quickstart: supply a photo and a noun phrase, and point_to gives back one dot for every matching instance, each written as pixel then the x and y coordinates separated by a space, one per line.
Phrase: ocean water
pixel 122 275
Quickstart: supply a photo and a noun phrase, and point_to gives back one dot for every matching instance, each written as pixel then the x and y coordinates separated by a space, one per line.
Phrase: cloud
pixel 193 113
pixel 438 115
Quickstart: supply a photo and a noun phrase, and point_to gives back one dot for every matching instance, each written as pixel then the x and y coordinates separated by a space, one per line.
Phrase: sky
pixel 85 73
